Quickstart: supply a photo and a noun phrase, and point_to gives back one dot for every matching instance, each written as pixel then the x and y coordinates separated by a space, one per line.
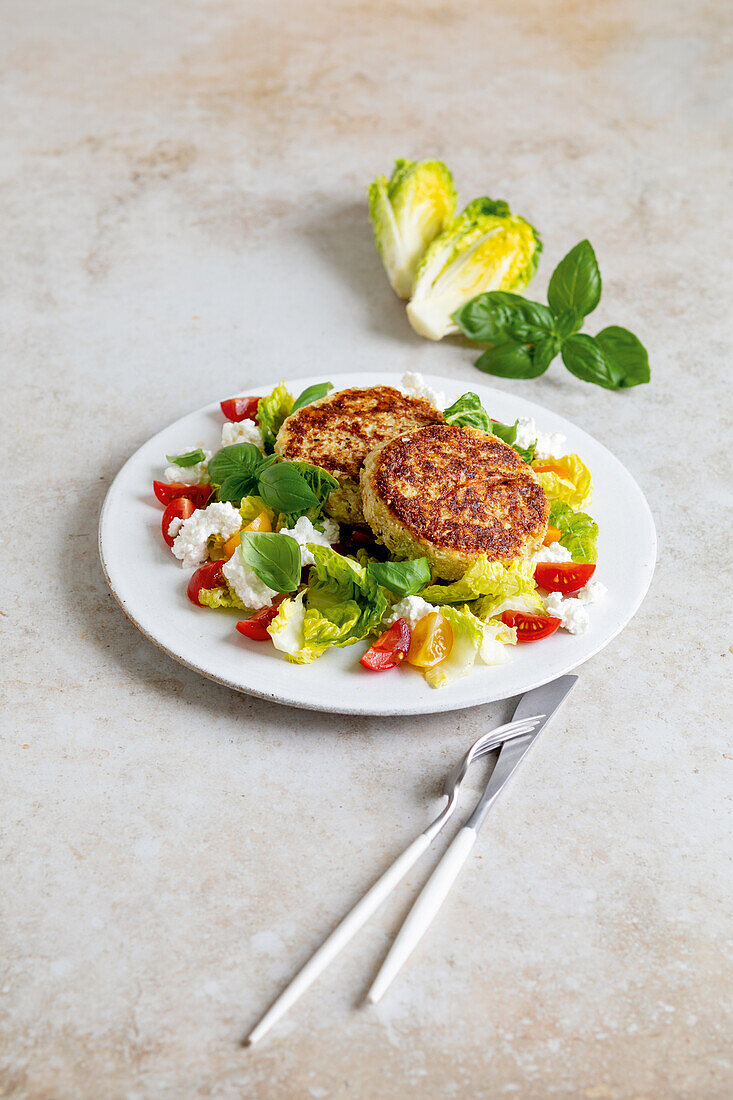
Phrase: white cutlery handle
pixel 340 936
pixel 428 902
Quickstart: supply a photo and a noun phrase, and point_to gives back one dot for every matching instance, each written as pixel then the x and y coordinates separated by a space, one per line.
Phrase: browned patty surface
pixel 338 431
pixel 462 490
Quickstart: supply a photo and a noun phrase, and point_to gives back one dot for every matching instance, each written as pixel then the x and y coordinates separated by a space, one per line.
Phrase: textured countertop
pixel 183 212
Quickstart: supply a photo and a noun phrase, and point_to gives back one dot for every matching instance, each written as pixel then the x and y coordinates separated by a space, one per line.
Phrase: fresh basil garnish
pixel 190 458
pixel 525 336
pixel 283 488
pixel 404 578
pixel 312 393
pixel 234 471
pixel 274 558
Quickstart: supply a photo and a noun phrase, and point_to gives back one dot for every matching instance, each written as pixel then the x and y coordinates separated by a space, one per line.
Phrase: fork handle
pixel 428 902
pixel 340 936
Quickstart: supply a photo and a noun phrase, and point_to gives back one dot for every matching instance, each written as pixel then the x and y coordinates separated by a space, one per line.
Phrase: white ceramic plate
pixel 150 586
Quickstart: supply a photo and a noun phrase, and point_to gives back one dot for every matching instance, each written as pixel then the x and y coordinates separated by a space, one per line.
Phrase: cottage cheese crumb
pixel 246 431
pixel 549 444
pixel 412 608
pixel 414 385
pixel 190 545
pixel 189 475
pixel 572 611
pixel 253 592
pixel 554 552
pixel 304 532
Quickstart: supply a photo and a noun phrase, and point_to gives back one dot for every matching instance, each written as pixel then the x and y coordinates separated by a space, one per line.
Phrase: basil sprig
pixel 293 488
pixel 274 558
pixel 190 458
pixel 404 578
pixel 468 411
pixel 526 336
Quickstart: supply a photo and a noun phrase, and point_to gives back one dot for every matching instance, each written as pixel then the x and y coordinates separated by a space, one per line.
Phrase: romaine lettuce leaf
pixel 575 487
pixel 341 605
pixel 496 587
pixel 578 532
pixel 220 597
pixel 271 412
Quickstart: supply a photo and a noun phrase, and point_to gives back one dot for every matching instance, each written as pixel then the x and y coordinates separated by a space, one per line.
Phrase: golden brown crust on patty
pixel 455 494
pixel 338 431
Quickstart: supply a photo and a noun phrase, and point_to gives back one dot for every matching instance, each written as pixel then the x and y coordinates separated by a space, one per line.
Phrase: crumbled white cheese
pixel 414 385
pixel 246 431
pixel 191 540
pixel 554 552
pixel 304 532
pixel 549 444
pixel 189 475
pixel 251 590
pixel 412 608
pixel 572 611
pixel 174 526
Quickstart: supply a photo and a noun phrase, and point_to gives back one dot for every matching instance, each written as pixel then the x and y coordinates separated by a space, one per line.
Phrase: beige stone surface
pixel 182 196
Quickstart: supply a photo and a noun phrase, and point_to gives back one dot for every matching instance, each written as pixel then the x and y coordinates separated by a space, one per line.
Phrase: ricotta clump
pixel 304 532
pixel 253 592
pixel 191 538
pixel 554 552
pixel 549 444
pixel 411 608
pixel 189 475
pixel 414 385
pixel 572 611
pixel 246 431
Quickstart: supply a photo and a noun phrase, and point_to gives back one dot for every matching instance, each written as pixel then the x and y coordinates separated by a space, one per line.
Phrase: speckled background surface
pixel 182 196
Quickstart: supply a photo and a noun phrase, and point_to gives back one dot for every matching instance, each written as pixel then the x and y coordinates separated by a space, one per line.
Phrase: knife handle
pixel 428 902
pixel 340 936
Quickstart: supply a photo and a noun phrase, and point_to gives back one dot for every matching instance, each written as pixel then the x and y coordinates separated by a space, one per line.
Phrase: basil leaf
pixel 497 316
pixel 468 412
pixel 274 558
pixel 584 358
pixel 511 360
pixel 625 355
pixel 319 480
pixel 312 393
pixel 576 282
pixel 284 489
pixel 507 432
pixel 190 458
pixel 234 470
pixel 404 578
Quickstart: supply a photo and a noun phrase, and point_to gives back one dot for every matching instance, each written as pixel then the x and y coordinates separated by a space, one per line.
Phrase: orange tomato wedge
pixel 261 522
pixel 553 535
pixel 551 468
pixel 432 640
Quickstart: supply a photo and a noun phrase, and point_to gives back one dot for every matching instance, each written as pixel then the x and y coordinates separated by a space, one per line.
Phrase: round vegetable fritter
pixel 337 432
pixel 453 494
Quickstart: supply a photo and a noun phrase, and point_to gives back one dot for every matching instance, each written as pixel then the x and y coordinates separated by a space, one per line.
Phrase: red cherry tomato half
pixel 255 627
pixel 389 649
pixel 240 408
pixel 199 494
pixel 180 508
pixel 206 576
pixel 562 576
pixel 530 628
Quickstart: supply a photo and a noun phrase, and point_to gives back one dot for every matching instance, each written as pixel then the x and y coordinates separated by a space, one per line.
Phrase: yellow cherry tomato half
pixel 432 640
pixel 553 535
pixel 261 522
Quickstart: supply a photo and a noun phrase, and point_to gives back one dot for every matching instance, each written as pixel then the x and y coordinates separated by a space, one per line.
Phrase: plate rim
pixel 437 707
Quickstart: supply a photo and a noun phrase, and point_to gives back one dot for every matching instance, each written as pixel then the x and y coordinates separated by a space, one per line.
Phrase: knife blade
pixel 545 700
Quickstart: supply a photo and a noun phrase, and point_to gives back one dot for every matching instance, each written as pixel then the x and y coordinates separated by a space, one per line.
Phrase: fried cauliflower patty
pixel 453 494
pixel 337 432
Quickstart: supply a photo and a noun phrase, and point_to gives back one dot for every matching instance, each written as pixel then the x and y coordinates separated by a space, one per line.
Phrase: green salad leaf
pixel 496 587
pixel 271 412
pixel 468 411
pixel 472 639
pixel 220 598
pixel 578 531
pixel 274 558
pixel 404 578
pixel 311 393
pixel 190 458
